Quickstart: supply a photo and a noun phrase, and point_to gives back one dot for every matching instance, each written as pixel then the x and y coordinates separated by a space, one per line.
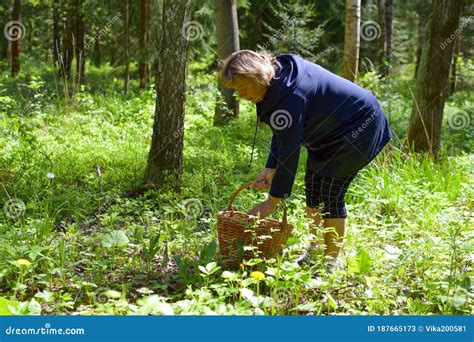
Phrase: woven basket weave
pixel 237 229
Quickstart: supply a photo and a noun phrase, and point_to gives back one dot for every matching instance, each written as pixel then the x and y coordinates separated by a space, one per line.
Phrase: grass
pixel 83 246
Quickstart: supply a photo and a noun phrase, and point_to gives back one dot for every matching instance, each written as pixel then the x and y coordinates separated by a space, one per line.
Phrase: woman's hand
pixel 264 179
pixel 266 207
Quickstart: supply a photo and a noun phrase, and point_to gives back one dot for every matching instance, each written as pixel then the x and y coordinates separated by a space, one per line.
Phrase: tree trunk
pixel 258 8
pixel 112 50
pixel 432 78
pixel 423 10
pixel 388 33
pixel 227 43
pixel 17 39
pixel 96 56
pixel 4 48
pixel 166 151
pixel 68 53
pixel 453 76
pixel 80 43
pixel 57 31
pixel 5 44
pixel 149 10
pixel 351 39
pixel 143 40
pixel 421 39
pixel 386 36
pixel 5 18
pixel 127 47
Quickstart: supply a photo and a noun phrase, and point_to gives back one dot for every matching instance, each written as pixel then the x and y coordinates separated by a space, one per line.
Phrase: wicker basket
pixel 238 229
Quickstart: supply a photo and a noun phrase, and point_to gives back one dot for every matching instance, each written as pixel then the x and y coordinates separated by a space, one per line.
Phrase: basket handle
pixel 248 185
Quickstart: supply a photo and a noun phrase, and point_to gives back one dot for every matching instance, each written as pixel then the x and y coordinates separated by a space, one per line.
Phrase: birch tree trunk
pixel 166 151
pixel 351 39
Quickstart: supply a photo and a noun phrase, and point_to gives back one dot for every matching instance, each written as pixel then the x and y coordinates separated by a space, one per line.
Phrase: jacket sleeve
pixel 287 123
pixel 273 154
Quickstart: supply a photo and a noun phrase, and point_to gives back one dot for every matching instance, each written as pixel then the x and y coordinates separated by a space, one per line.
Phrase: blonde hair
pixel 260 67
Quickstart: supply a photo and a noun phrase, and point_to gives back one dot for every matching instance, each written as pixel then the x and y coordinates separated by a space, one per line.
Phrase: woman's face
pixel 249 89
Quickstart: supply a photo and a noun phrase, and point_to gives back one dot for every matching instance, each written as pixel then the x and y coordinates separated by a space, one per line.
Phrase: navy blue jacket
pixel 340 123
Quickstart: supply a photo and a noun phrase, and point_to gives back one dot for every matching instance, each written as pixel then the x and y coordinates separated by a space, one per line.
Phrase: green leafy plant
pixel 150 249
pixel 116 238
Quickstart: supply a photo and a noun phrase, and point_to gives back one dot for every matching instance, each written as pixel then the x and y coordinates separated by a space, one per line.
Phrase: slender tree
pixel 4 43
pixel 453 75
pixel 57 30
pixel 259 27
pixel 126 18
pixel 96 55
pixel 68 39
pixel 386 36
pixel 351 39
pixel 432 77
pixel 16 42
pixel 143 41
pixel 166 151
pixel 80 41
pixel 227 43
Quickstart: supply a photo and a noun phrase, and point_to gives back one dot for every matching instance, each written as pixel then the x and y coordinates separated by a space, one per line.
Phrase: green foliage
pixel 116 238
pixel 295 35
pixel 8 307
pixel 151 249
pixel 362 263
pixel 187 269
